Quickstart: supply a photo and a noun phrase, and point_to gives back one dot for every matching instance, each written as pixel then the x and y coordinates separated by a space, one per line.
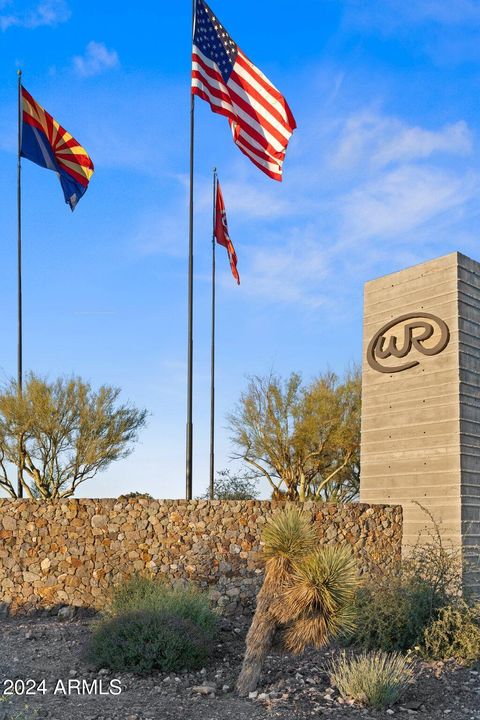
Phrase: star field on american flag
pixel 214 41
pixel 259 116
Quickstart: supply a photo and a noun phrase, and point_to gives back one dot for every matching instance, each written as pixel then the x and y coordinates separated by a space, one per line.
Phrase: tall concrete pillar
pixel 421 400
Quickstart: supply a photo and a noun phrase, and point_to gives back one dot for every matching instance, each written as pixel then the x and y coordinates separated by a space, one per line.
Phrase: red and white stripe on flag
pixel 260 118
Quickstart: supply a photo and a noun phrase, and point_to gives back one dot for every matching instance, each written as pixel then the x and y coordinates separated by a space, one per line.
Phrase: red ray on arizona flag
pixel 46 143
pixel 221 232
pixel 261 121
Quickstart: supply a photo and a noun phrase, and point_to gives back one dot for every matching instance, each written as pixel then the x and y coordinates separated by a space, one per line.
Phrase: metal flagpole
pixel 189 443
pixel 212 372
pixel 19 276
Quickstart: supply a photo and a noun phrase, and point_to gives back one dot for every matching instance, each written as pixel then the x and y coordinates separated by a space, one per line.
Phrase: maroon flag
pixel 259 116
pixel 221 232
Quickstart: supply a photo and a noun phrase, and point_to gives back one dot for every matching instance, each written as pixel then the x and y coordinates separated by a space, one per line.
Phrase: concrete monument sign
pixel 421 399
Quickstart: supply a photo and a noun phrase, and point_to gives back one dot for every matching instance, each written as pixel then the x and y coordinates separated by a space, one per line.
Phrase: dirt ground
pixel 39 649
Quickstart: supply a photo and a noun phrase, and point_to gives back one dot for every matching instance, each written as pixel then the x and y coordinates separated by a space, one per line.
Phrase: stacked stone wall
pixel 71 552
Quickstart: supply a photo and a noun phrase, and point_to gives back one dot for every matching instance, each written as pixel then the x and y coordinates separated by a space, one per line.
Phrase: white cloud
pixel 251 201
pixel 458 13
pixel 379 140
pixel 375 189
pixel 400 201
pixel 46 13
pixel 289 271
pixel 461 12
pixel 447 32
pixel 388 15
pixel 401 184
pixel 96 59
pixel 413 143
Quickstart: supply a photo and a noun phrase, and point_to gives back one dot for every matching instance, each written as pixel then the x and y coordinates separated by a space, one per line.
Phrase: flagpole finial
pixel 19 72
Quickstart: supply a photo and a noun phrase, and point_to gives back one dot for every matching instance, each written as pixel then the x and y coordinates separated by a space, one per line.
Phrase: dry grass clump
pixel 377 679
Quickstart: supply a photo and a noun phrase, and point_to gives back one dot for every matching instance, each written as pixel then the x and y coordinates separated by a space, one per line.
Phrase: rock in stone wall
pixel 71 552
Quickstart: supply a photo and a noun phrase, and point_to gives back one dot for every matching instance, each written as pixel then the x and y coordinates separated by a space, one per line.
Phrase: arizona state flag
pixel 46 143
pixel 221 232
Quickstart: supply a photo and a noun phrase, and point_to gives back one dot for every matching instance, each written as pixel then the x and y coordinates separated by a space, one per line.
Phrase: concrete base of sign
pixel 421 401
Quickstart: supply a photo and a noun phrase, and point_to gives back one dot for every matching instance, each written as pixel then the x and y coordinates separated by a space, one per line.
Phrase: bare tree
pixel 62 433
pixel 303 439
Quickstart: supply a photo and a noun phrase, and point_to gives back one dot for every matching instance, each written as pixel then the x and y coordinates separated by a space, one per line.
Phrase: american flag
pixel 259 116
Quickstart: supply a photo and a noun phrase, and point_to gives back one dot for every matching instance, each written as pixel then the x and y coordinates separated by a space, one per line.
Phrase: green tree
pixel 62 433
pixel 233 486
pixel 305 439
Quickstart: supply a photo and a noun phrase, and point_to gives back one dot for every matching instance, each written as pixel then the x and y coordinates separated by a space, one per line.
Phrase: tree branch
pixel 330 477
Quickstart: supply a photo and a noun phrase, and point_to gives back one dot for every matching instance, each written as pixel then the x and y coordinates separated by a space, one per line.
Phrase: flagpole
pixel 212 370
pixel 189 441
pixel 19 275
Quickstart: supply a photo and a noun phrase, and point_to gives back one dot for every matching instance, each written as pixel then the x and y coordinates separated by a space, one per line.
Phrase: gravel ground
pixel 44 649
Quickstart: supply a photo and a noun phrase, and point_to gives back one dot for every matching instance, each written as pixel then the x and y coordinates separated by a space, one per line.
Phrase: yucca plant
pixel 318 598
pixel 287 537
pixel 308 589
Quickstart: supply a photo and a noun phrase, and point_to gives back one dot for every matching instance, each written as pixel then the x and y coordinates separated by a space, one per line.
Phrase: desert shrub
pixel 17 715
pixel 140 592
pixel 435 562
pixel 454 634
pixel 393 610
pixel 392 613
pixel 377 679
pixel 145 640
pixel 135 495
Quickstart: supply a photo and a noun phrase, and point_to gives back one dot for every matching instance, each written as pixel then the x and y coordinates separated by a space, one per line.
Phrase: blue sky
pixel 382 172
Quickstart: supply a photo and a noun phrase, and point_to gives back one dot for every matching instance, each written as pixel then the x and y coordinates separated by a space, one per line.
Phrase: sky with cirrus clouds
pixel 32 15
pixel 96 59
pixel 382 172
